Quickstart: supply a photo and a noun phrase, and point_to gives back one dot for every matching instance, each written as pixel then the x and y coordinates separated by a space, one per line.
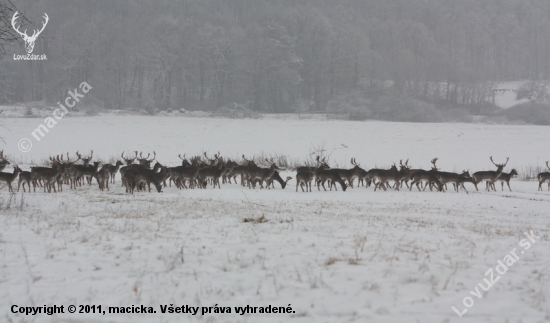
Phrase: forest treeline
pixel 277 55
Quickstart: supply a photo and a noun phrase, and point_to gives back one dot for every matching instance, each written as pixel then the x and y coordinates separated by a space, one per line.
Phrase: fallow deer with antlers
pixel 489 176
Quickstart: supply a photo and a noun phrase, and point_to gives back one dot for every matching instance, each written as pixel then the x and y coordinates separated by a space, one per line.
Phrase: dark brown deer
pixel 10 177
pixel 489 176
pixel 504 178
pixel 25 177
pixel 427 176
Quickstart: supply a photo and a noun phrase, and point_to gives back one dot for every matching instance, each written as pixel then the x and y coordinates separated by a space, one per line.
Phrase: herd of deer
pixel 199 171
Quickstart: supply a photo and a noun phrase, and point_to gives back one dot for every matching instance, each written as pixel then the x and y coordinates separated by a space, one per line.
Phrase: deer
pixel 229 167
pixel 103 176
pixel 144 163
pixel 304 177
pixel 112 169
pixel 10 177
pixel 544 177
pixel 463 179
pixel 135 176
pixel 350 174
pixel 504 178
pixel 242 171
pixel 83 171
pixel 428 176
pixel 90 172
pixel 446 177
pixel 259 174
pixel 36 172
pixel 404 175
pixel 72 173
pixel 489 176
pixel 213 172
pixel 371 174
pixel 331 175
pixel 385 175
pixel 181 174
pixel 323 164
pixel 25 177
pixel 277 178
pixel 48 175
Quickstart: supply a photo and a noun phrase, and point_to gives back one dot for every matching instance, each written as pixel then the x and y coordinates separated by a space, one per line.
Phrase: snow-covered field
pixel 354 256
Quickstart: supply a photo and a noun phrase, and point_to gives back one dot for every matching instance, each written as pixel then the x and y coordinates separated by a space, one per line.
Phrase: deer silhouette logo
pixel 29 40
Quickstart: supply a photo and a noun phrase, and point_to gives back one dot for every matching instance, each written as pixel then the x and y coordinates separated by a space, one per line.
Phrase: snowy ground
pixel 354 256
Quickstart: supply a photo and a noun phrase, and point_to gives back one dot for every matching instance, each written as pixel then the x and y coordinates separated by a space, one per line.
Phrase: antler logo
pixel 29 40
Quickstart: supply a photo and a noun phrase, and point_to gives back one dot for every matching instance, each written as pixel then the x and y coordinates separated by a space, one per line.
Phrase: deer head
pixel 54 161
pixel 128 161
pixel 69 161
pixel 249 162
pixel 29 40
pixel 85 161
pixel 212 160
pixel 145 160
pixel 500 167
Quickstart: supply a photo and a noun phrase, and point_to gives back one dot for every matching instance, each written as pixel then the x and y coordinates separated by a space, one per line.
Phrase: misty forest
pixel 421 60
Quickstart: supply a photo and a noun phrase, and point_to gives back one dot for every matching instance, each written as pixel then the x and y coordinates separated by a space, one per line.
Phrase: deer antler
pixel 407 162
pixel 91 154
pixel 547 165
pixel 434 161
pixel 182 158
pixel 499 165
pixel 154 155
